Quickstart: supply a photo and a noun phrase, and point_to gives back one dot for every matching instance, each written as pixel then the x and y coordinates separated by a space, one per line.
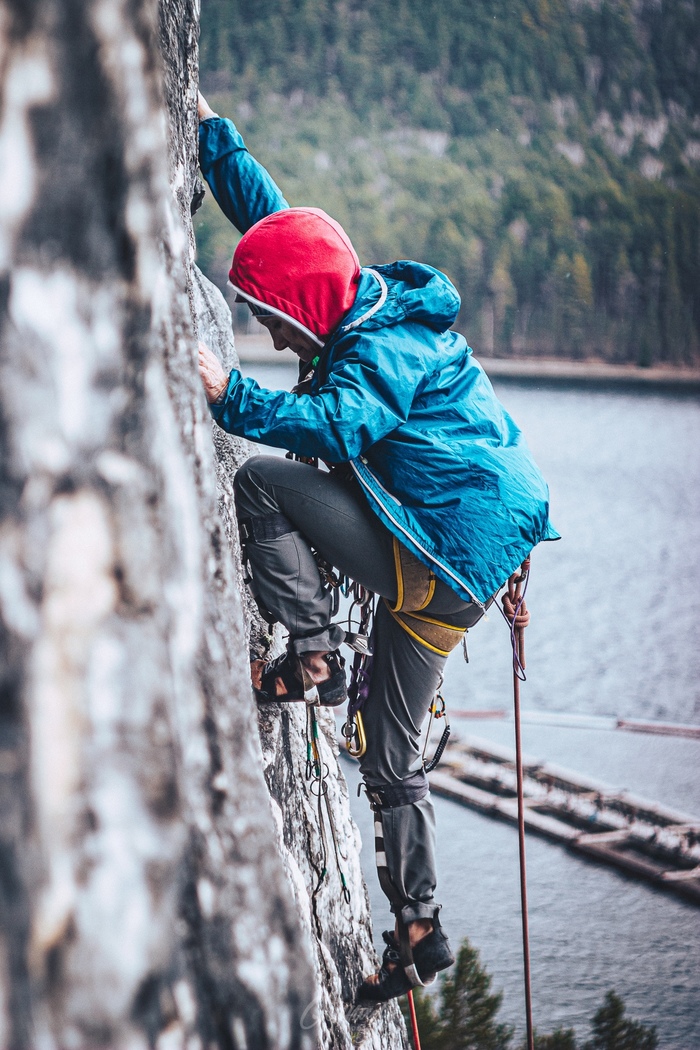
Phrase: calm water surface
pixel 615 609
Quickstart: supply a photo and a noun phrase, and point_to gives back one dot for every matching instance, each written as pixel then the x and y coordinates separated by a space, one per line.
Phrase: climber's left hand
pixel 204 110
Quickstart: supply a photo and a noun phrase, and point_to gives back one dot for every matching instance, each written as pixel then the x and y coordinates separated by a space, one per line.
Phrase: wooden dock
pixel 641 838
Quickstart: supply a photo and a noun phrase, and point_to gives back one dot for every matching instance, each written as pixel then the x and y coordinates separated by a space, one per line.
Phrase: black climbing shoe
pixel 289 670
pixel 430 955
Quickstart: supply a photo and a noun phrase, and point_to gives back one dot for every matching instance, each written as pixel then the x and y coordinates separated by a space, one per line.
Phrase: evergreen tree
pixel 612 1030
pixel 509 143
pixel 469 1008
pixel 560 1039
pixel 462 1016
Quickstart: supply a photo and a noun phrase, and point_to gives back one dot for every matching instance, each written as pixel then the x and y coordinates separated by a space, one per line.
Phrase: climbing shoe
pixel 285 680
pixel 430 955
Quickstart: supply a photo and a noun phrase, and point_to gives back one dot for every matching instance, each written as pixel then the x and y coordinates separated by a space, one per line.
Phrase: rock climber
pixel 431 501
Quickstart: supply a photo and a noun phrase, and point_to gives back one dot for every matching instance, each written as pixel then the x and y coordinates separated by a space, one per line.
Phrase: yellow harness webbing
pixel 415 584
pixel 435 635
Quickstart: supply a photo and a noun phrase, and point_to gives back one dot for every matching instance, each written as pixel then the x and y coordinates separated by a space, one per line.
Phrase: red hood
pixel 300 263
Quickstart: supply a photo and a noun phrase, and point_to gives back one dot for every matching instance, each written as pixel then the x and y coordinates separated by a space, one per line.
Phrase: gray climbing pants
pixel 285 508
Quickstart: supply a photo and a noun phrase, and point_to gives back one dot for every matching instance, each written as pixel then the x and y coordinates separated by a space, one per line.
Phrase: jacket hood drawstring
pixel 373 309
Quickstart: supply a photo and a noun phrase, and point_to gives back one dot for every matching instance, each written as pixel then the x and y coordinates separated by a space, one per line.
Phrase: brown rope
pixel 517 615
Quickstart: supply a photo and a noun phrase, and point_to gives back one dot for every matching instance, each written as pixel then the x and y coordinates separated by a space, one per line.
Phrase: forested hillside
pixel 543 153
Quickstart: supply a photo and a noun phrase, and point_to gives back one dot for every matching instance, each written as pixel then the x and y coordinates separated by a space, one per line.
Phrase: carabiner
pixel 354 733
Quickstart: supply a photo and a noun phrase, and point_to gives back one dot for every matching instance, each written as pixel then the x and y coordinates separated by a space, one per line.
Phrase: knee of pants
pixel 388 766
pixel 247 485
pixel 407 792
pixel 369 766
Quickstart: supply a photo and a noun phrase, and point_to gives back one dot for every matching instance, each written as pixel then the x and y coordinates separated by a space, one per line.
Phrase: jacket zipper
pixel 386 491
pixel 400 527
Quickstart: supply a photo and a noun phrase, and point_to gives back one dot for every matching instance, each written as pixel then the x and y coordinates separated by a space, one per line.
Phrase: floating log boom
pixel 644 839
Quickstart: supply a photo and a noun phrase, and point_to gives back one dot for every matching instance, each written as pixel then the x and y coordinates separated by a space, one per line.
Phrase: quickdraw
pixel 331 579
pixel 438 709
pixel 317 771
pixel 361 641
pixel 317 774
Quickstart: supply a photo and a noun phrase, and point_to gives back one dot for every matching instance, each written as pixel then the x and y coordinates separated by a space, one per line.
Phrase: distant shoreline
pixel 257 349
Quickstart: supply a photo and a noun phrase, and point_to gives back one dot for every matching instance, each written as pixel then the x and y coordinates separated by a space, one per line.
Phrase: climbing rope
pixel 414 1020
pixel 516 614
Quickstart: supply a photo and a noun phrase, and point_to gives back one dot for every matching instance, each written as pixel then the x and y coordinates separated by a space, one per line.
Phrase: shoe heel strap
pixel 310 688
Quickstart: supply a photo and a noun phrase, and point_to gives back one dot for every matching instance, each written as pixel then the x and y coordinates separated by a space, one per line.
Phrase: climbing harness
pixel 415 584
pixel 517 616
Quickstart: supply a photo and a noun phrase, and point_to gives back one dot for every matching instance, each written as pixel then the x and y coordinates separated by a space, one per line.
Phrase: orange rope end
pixel 414 1019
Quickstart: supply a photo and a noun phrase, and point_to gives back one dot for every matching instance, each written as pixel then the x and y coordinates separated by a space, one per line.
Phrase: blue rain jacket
pixel 401 398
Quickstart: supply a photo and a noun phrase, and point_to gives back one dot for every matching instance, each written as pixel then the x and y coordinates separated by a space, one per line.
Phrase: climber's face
pixel 287 336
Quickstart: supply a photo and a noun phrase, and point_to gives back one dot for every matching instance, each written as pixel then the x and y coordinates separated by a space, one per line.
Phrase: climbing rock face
pixel 144 893
pixel 327 880
pixel 152 892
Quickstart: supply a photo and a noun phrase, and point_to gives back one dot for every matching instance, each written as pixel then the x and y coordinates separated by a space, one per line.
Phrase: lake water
pixel 615 608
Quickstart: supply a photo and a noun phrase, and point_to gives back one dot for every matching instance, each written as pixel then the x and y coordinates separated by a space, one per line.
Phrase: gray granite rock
pixel 159 850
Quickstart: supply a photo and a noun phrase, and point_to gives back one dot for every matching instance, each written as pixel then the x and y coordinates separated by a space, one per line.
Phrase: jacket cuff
pixel 218 136
pixel 217 408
